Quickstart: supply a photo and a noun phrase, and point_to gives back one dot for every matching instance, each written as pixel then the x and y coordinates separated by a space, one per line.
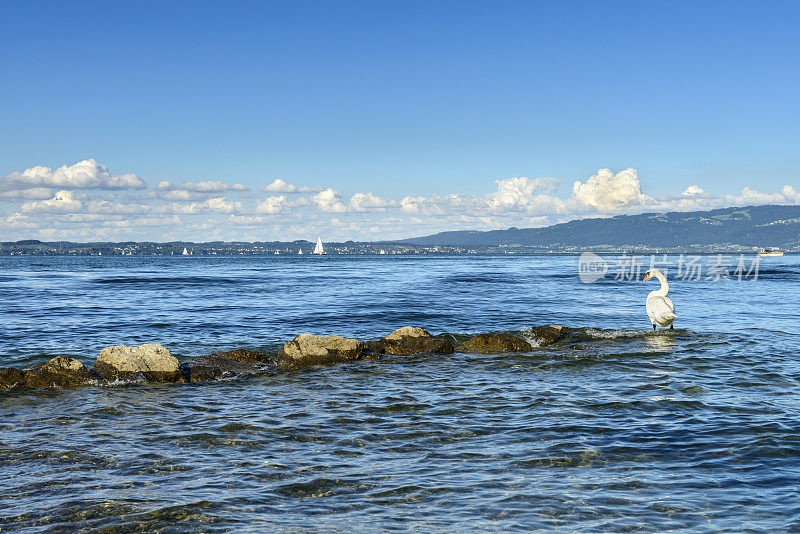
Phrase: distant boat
pixel 300 252
pixel 276 252
pixel 382 252
pixel 318 249
pixel 771 252
pixel 185 252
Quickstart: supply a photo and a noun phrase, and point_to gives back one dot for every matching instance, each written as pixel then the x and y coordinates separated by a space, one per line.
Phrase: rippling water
pixel 629 431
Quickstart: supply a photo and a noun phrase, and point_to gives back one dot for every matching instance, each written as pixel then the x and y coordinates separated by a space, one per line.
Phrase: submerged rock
pixel 414 340
pixel 61 371
pixel 490 343
pixel 10 377
pixel 222 363
pixel 151 360
pixel 547 335
pixel 242 355
pixel 307 349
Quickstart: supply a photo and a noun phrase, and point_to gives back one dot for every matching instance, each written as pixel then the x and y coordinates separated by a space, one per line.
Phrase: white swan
pixel 660 308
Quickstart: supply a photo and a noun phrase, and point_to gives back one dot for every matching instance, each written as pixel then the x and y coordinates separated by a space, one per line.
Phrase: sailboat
pixel 318 249
pixel 300 252
pixel 185 252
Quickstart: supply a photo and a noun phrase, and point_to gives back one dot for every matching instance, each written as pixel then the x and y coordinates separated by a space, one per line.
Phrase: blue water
pixel 626 431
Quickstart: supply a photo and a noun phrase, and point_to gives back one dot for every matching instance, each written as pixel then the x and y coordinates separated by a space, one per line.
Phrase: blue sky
pixel 442 103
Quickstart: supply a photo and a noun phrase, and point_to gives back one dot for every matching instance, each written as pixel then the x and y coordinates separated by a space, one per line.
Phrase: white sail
pixel 185 252
pixel 318 249
pixel 300 251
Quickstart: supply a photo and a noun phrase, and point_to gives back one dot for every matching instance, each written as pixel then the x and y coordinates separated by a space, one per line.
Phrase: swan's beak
pixel 646 277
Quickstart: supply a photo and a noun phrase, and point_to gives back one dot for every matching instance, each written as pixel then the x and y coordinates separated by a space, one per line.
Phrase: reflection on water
pixel 618 429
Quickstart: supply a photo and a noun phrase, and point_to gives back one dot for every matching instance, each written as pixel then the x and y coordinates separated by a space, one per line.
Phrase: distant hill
pixel 753 226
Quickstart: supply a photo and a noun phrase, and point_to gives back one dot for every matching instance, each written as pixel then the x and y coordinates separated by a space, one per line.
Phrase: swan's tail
pixel 669 316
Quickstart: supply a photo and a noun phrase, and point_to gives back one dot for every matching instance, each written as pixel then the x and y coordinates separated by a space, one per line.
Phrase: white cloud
pixel 694 191
pixel 518 193
pixel 609 192
pixel 34 193
pixel 87 174
pixel 329 200
pixel 63 202
pixel 369 202
pixel 208 186
pixel 271 205
pixel 281 186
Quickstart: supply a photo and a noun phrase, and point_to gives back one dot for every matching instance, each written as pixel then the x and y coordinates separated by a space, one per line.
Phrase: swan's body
pixel 660 308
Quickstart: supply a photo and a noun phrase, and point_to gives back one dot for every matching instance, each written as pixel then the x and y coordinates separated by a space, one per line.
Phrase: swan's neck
pixel 664 285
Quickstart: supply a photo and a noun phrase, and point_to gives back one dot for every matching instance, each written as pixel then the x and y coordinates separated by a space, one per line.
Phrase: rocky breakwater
pixel 153 362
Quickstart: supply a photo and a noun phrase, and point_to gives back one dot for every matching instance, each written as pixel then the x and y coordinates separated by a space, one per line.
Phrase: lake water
pixel 628 431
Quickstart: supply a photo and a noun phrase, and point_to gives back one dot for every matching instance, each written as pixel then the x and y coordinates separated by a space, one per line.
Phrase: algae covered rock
pixel 308 349
pixel 491 343
pixel 547 335
pixel 414 340
pixel 151 360
pixel 10 377
pixel 220 364
pixel 61 371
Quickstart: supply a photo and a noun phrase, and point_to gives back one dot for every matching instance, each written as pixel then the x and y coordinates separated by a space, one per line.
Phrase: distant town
pixel 221 248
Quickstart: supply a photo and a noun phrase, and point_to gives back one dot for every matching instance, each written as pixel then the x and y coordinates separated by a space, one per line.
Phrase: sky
pixel 372 120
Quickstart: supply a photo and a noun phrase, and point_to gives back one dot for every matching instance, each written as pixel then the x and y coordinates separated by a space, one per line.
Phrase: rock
pixel 221 363
pixel 413 340
pixel 10 377
pixel 242 355
pixel 373 347
pixel 61 371
pixel 489 343
pixel 307 349
pixel 547 335
pixel 408 332
pixel 151 360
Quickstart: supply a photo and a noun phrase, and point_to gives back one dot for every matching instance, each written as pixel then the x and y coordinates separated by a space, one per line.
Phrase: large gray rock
pixel 151 360
pixel 307 349
pixel 414 340
pixel 491 343
pixel 61 371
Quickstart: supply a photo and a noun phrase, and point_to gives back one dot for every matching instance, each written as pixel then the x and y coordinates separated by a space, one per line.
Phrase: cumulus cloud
pixel 281 186
pixel 87 174
pixel 271 205
pixel 609 192
pixel 63 202
pixel 369 202
pixel 329 200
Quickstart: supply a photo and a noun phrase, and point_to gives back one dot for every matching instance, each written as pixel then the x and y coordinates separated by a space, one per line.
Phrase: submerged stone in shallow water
pixel 547 335
pixel 490 343
pixel 222 363
pixel 414 340
pixel 10 377
pixel 308 349
pixel 151 360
